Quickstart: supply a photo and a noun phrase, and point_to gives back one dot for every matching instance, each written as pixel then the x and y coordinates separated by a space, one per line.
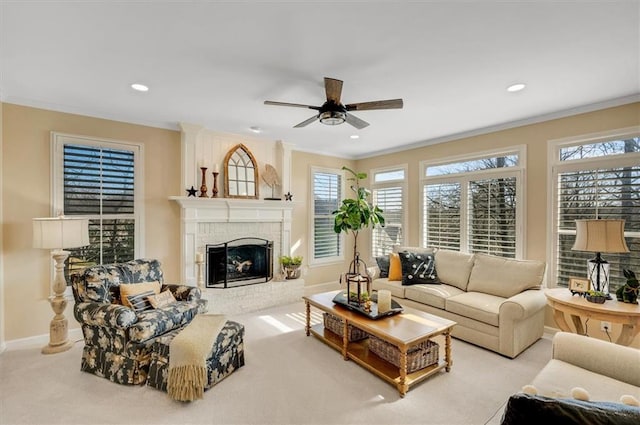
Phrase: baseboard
pixel 550 330
pixel 39 340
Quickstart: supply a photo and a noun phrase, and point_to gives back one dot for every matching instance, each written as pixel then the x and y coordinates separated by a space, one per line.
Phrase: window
pixel 473 204
pixel 595 177
pixel 99 180
pixel 388 190
pixel 327 193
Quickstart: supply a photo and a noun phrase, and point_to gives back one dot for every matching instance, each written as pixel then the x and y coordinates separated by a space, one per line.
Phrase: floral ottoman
pixel 227 355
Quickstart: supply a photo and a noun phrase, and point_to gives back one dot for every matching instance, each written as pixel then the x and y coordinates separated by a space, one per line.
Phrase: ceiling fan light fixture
pixel 332 117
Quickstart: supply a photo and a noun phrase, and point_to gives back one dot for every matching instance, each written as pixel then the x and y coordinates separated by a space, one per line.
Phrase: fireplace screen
pixel 239 262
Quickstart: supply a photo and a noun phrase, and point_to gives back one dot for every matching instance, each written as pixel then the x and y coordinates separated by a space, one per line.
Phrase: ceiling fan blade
pixel 306 122
pixel 376 104
pixel 356 122
pixel 333 88
pixel 296 105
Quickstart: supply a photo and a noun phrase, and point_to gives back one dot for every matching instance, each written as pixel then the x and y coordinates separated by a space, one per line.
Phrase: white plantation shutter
pixel 612 193
pixel 99 180
pixel 492 216
pixel 441 217
pixel 327 196
pixel 390 200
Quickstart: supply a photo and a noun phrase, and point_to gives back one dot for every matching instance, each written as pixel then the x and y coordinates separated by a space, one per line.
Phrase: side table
pixel 561 300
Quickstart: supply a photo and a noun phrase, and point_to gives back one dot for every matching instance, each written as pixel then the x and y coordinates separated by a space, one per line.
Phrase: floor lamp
pixel 600 236
pixel 56 234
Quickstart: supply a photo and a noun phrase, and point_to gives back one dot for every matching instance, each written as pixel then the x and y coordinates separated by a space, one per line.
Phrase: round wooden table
pixel 561 300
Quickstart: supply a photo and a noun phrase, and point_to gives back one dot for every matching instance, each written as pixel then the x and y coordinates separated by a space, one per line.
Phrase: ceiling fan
pixel 333 112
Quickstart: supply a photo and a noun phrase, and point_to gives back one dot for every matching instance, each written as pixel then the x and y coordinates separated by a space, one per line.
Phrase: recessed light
pixel 516 87
pixel 255 129
pixel 139 87
pixel 354 136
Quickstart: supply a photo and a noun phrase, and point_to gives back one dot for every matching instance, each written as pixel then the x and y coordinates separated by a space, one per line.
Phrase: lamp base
pixel 53 349
pixel 59 326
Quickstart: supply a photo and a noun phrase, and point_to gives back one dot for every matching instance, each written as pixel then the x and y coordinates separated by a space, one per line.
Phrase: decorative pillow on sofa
pixel 140 302
pixel 505 277
pixel 127 289
pixel 395 267
pixel 418 268
pixel 161 299
pixel 383 265
pixel 525 409
pixel 454 267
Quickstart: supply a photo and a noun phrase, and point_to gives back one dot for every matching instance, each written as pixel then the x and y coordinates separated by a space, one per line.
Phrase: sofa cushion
pixel 418 268
pixel 524 409
pixel 395 267
pixel 454 267
pixel 152 323
pixel 383 265
pixel 433 295
pixel 394 286
pixel 505 277
pixel 476 305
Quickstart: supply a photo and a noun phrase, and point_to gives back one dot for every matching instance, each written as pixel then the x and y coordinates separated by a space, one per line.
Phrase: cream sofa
pixel 497 302
pixel 608 373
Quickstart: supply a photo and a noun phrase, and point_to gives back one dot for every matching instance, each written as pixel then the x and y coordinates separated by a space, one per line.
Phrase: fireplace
pixel 244 261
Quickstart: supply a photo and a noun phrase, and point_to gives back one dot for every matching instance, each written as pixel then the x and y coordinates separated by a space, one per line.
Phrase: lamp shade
pixel 600 236
pixel 60 232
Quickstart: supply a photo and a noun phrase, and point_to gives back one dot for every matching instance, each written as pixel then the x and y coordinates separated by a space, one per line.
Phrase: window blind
pixel 390 200
pixel 326 199
pixel 441 215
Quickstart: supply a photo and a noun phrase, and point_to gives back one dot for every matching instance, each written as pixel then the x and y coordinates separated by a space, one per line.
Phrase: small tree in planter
pixel 291 266
pixel 356 214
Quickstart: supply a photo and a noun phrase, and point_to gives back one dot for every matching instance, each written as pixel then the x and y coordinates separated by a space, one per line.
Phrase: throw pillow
pixel 139 302
pixel 418 268
pixel 127 289
pixel 395 267
pixel 162 299
pixel 383 265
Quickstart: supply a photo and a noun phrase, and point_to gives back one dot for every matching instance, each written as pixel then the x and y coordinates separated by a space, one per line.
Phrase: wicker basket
pixel 418 357
pixel 335 325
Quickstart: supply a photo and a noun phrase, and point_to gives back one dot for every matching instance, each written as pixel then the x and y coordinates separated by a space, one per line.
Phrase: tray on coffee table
pixel 341 299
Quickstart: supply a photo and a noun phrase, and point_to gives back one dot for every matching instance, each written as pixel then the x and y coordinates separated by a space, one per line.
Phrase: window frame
pixel 58 140
pixel 463 178
pixel 557 166
pixel 341 238
pixel 403 183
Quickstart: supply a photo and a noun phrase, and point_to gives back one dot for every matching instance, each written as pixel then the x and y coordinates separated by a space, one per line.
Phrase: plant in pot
pixel 354 215
pixel 291 266
pixel 597 297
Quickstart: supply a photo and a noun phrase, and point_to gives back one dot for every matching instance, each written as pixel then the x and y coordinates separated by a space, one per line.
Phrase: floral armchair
pixel 118 339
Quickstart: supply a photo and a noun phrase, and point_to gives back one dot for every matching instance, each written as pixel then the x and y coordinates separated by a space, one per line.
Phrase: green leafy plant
pixel 356 213
pixel 287 261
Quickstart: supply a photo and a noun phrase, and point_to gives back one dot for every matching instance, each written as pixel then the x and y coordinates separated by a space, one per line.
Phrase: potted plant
pixel 356 214
pixel 597 297
pixel 291 266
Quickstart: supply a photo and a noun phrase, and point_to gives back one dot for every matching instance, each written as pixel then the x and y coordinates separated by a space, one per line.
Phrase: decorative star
pixel 191 192
pixel 288 196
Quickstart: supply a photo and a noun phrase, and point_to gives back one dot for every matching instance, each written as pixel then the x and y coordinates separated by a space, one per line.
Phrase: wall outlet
pixel 605 326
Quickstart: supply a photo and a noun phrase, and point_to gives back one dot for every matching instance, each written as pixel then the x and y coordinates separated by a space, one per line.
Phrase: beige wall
pixel 25 193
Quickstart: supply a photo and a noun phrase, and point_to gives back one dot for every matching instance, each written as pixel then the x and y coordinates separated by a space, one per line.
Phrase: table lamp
pixel 600 236
pixel 56 234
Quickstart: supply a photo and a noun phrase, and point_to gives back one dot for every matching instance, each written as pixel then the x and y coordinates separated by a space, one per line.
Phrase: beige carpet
pixel 288 379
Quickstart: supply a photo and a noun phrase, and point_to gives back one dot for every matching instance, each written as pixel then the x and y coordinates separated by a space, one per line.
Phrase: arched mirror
pixel 241 173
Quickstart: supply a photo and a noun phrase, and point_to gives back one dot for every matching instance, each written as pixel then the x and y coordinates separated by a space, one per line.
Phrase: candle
pixel 199 257
pixel 215 168
pixel 384 301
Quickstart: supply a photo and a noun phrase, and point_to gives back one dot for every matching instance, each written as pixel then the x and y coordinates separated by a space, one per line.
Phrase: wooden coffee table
pixel 404 330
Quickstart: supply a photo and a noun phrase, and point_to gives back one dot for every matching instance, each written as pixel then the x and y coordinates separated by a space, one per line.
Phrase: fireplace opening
pixel 244 261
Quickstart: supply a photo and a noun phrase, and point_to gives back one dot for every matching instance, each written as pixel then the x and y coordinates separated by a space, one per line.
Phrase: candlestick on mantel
pixel 215 183
pixel 199 271
pixel 203 187
pixel 215 168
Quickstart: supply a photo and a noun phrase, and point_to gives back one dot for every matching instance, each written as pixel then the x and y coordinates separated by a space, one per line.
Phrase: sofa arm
pixel 523 305
pixel 184 292
pixel 598 356
pixel 104 314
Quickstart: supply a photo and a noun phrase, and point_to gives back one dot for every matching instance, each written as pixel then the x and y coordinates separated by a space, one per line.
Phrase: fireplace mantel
pixel 196 212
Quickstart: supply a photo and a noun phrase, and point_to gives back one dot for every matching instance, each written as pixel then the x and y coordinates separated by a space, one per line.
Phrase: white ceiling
pixel 214 63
